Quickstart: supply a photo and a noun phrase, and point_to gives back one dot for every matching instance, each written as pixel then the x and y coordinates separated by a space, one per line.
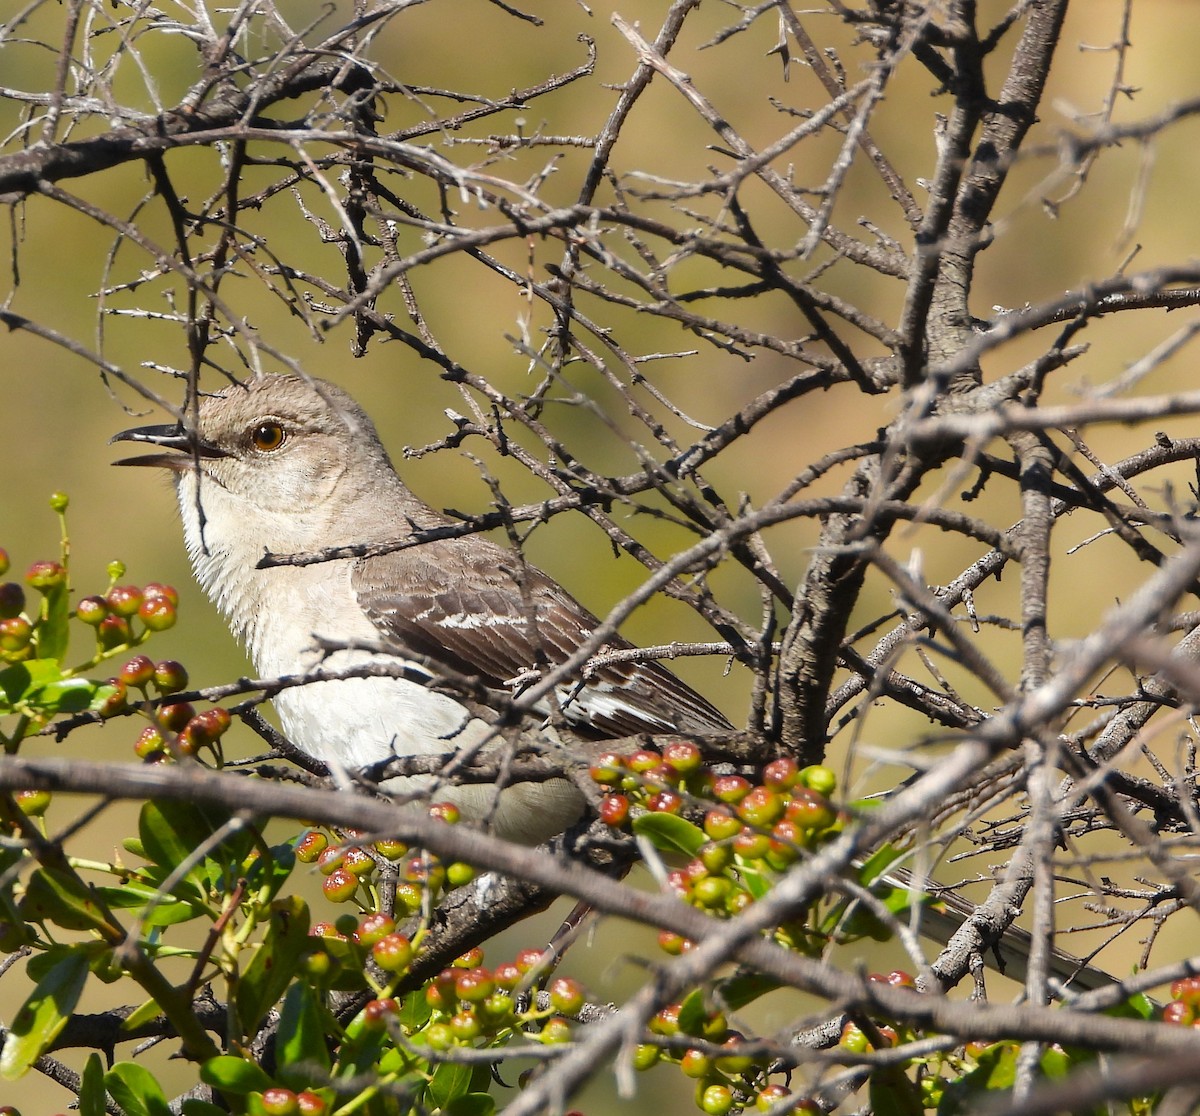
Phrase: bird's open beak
pixel 189 447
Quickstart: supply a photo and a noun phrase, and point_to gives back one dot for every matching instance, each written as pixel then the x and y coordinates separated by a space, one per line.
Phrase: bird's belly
pixel 358 722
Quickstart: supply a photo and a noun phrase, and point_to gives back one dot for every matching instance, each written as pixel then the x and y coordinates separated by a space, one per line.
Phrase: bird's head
pixel 280 456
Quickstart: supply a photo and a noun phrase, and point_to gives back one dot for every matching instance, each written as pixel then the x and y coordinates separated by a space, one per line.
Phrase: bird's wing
pixel 479 610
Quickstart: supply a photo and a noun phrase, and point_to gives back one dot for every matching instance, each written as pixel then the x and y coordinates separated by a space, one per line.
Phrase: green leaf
pixel 134 1088
pixel 668 833
pixel 996 1072
pixel 234 1075
pixel 53 895
pixel 301 1052
pixel 893 1094
pixel 172 832
pixel 54 630
pixel 168 910
pixel 414 1012
pixel 742 989
pixel 201 1108
pixel 92 1097
pixel 143 1014
pixel 22 679
pixel 693 1013
pixel 44 1014
pixel 471 1104
pixel 274 963
pixel 450 1081
pixel 877 863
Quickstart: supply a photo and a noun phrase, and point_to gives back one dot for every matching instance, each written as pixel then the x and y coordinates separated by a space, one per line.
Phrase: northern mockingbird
pixel 288 465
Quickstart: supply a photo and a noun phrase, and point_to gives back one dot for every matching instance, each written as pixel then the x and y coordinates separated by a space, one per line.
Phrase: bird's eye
pixel 267 436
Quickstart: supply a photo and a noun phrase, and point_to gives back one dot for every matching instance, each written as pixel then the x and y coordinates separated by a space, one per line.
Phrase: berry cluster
pixel 751 832
pixel 175 729
pixel 728 1079
pixel 1184 1008
pixel 154 606
pixel 350 870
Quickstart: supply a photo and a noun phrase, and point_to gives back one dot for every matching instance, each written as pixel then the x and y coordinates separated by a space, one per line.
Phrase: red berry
pixel 116 701
pixel 339 886
pixel 156 590
pixel 139 671
pixel 174 717
pixel 446 812
pixel 16 633
pixel 279 1102
pixel 731 789
pixel 158 614
pixel 1179 1013
pixel 373 927
pixel 124 600
pixel 376 1013
pixel 682 756
pixel 3 571
pixel 170 676
pixel 393 953
pixel 528 960
pixel 309 1104
pixel 664 802
pixel 311 845
pixel 614 810
pixel 782 773
pixel 46 575
pixel 474 985
pixel 114 631
pixel 507 975
pixel 762 807
pixel 566 995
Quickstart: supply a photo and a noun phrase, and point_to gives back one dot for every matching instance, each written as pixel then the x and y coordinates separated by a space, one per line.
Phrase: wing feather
pixel 475 608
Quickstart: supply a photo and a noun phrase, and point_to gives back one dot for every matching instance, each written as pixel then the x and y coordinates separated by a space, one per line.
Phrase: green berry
pixel 716 1100
pixel 566 995
pixel 59 501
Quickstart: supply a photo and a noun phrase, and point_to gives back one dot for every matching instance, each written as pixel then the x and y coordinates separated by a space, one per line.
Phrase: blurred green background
pixel 57 414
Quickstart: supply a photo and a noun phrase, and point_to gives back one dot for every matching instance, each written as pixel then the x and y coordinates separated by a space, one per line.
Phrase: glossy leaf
pixel 300 1043
pixel 92 1099
pixel 471 1104
pixel 669 833
pixel 134 1088
pixel 54 629
pixel 274 962
pixel 451 1081
pixel 45 1013
pixel 234 1075
pixel 171 833
pixel 53 895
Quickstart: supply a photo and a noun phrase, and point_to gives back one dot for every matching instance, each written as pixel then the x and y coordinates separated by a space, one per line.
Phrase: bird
pixel 284 463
